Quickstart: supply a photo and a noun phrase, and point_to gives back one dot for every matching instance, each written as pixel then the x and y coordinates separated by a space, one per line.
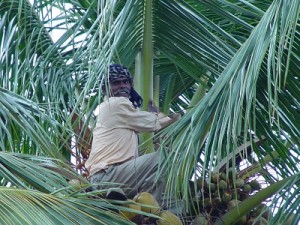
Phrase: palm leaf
pixel 31 207
pixel 245 54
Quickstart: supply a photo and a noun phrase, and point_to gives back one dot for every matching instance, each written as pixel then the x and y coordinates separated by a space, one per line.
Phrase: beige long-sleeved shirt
pixel 115 135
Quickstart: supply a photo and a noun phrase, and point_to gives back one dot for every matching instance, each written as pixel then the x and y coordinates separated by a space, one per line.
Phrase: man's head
pixel 120 81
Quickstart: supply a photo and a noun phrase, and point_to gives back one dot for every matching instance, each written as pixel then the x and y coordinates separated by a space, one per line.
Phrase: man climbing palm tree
pixel 114 154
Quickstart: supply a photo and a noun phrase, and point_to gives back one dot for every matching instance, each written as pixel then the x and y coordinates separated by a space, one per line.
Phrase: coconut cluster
pixel 222 192
pixel 146 203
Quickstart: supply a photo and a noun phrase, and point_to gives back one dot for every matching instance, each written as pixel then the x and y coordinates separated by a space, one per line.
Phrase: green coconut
pixel 75 183
pixel 227 196
pixel 255 185
pixel 215 178
pixel 236 195
pixel 247 188
pixel 200 220
pixel 207 202
pixel 129 214
pixel 148 203
pixel 223 176
pixel 222 185
pixel 239 183
pixel 217 200
pixel 233 203
pixel 168 218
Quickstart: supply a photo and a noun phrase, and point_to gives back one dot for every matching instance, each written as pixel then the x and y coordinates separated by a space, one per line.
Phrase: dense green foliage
pixel 230 67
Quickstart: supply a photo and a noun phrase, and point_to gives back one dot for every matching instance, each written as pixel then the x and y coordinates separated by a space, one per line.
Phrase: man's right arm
pixel 165 120
pixel 127 116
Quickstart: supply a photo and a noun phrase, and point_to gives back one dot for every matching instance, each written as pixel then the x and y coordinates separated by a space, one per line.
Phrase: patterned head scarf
pixel 117 71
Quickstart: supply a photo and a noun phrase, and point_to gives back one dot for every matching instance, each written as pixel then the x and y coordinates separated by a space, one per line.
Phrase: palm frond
pixel 230 110
pixel 32 207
